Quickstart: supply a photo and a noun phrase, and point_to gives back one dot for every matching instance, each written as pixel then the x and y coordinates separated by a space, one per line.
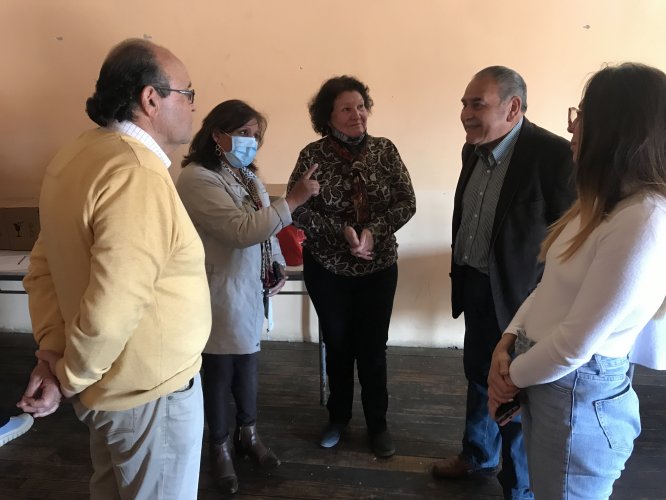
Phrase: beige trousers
pixel 151 452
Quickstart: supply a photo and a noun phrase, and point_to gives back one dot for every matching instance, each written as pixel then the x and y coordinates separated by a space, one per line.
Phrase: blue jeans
pixel 580 430
pixel 484 441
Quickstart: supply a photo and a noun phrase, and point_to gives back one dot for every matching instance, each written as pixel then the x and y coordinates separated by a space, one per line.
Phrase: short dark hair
pixel 623 141
pixel 225 117
pixel 129 67
pixel 509 81
pixel 321 105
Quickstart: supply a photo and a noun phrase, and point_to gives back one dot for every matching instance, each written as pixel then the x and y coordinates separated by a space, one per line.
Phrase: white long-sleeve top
pixel 599 300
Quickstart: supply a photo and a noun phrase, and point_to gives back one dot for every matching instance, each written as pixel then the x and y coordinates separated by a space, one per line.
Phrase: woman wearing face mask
pixel 350 254
pixel 237 223
pixel 604 279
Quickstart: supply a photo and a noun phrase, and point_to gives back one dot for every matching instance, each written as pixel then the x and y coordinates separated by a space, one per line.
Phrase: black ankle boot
pixel 222 467
pixel 382 444
pixel 247 443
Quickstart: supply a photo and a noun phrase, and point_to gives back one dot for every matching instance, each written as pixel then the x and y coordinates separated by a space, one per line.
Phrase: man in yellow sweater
pixel 117 286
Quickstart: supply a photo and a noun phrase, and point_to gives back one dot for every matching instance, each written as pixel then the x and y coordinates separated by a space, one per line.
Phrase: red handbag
pixel 291 243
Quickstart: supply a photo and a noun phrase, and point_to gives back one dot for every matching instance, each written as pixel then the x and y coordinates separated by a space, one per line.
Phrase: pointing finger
pixel 310 171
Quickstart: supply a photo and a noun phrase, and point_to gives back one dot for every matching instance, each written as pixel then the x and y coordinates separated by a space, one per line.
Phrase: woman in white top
pixel 604 279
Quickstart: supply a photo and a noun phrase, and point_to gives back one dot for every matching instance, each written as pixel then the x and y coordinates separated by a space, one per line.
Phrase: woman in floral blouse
pixel 350 253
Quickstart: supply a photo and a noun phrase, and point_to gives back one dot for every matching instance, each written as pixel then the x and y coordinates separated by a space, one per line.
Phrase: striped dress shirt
pixel 480 202
pixel 136 132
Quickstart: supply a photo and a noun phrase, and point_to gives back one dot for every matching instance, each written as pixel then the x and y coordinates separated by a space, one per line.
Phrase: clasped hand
pixel 360 245
pixel 501 388
pixel 42 395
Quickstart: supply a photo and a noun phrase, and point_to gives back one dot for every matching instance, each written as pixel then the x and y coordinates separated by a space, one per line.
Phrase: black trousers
pixel 225 375
pixel 354 315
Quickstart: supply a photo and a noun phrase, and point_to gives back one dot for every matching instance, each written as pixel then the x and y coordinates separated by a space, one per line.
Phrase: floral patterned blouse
pixel 372 172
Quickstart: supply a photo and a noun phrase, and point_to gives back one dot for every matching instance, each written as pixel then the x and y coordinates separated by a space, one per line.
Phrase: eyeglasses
pixel 574 114
pixel 188 92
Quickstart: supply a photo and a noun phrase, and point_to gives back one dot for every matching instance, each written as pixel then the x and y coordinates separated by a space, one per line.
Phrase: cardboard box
pixel 19 228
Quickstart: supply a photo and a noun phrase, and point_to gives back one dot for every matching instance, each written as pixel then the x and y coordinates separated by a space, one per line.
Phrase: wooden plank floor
pixel 426 414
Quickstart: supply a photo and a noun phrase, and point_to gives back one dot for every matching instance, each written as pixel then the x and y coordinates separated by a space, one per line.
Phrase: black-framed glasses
pixel 574 114
pixel 188 92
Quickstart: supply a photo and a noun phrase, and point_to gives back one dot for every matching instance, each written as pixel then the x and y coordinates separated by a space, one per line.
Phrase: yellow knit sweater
pixel 117 282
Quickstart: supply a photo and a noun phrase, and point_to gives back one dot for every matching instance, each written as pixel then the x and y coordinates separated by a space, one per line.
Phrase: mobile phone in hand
pixel 506 411
pixel 278 274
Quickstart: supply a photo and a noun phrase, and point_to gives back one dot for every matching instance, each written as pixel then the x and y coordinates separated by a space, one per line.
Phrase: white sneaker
pixel 15 427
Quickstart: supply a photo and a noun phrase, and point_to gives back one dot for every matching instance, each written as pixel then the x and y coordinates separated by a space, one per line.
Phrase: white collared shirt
pixel 136 132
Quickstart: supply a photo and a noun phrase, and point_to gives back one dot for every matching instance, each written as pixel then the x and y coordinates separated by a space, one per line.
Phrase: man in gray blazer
pixel 515 182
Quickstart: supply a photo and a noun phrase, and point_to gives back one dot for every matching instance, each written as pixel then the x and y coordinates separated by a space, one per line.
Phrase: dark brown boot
pixel 222 467
pixel 247 443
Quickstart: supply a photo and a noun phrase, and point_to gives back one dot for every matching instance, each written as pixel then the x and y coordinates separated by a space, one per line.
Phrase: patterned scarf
pixel 354 154
pixel 247 179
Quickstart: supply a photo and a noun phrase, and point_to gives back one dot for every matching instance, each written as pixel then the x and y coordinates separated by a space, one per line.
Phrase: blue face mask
pixel 243 151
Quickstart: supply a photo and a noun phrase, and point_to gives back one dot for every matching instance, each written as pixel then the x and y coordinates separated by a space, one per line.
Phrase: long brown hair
pixel 622 148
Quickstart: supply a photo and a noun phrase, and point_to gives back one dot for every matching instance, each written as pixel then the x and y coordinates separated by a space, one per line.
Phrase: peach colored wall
pixel 416 56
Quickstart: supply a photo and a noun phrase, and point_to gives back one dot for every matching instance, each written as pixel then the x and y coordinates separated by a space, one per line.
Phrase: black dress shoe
pixel 330 434
pixel 382 444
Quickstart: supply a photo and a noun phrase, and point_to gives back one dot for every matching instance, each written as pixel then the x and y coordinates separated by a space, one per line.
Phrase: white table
pixel 13 267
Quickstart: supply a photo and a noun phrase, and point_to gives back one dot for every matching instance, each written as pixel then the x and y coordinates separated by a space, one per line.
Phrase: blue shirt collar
pixel 502 150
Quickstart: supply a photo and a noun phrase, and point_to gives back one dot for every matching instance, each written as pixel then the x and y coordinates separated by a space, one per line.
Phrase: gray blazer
pixel 232 231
